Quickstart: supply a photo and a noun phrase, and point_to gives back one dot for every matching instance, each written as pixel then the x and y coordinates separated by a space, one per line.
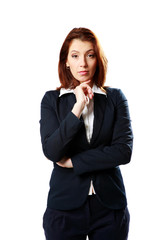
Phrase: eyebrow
pixel 86 51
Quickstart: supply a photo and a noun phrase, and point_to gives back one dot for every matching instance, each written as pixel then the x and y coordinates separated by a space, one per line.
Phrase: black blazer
pixel 63 134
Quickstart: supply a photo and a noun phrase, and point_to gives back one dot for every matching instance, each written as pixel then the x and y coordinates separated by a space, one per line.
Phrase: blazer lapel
pixel 64 105
pixel 99 110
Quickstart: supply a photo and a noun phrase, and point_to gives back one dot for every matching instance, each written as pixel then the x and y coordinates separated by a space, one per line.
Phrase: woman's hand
pixel 65 163
pixel 82 93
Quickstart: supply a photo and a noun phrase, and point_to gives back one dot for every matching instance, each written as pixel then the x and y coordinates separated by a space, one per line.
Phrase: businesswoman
pixel 86 132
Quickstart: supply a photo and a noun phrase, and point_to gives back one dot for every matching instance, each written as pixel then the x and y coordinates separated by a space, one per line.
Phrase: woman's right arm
pixel 56 136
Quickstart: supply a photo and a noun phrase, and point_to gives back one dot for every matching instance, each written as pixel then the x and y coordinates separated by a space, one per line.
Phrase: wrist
pixel 78 108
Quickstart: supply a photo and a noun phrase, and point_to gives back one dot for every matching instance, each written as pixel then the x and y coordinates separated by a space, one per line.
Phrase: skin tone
pixel 82 63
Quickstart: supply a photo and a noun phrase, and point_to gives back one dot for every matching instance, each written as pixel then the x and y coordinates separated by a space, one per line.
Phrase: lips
pixel 82 73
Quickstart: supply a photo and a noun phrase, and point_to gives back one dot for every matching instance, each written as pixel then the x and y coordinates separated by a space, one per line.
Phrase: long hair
pixel 66 78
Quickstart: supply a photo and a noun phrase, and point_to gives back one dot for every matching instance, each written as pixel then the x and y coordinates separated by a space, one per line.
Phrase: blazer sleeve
pixel 120 149
pixel 56 136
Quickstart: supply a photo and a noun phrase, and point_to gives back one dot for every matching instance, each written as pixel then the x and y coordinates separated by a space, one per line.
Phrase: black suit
pixel 63 134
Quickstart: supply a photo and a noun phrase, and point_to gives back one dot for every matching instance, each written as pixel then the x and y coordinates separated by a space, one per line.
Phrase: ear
pixel 67 64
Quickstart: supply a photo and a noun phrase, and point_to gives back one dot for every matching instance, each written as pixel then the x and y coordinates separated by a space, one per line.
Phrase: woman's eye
pixel 91 55
pixel 74 56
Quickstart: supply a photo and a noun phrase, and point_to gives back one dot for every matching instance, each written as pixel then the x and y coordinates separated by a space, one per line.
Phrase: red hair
pixel 66 78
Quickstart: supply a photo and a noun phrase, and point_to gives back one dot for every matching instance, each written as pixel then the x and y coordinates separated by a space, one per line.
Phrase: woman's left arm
pixel 120 150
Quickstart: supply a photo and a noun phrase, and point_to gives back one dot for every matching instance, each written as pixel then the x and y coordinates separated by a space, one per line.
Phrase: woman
pixel 86 133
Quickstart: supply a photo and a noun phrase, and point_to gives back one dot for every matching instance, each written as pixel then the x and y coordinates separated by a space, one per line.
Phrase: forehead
pixel 80 46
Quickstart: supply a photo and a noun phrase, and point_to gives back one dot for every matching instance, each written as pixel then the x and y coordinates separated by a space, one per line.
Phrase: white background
pixel 32 33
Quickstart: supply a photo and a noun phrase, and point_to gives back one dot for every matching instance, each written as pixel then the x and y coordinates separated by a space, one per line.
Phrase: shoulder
pixel 116 94
pixel 51 96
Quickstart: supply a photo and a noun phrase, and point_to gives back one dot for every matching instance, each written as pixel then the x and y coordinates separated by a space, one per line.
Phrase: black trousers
pixel 92 220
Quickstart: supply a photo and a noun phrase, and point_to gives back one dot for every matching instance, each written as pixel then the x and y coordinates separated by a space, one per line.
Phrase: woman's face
pixel 81 60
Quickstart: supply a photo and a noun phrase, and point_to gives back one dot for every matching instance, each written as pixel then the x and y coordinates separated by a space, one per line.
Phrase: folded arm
pixel 56 136
pixel 118 152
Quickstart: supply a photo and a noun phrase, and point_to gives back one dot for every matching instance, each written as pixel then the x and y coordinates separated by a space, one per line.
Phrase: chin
pixel 84 79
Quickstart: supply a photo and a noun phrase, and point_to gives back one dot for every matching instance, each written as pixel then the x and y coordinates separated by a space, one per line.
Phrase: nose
pixel 83 62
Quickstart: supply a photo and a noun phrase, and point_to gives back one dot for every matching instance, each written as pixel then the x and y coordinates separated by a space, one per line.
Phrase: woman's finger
pixel 87 89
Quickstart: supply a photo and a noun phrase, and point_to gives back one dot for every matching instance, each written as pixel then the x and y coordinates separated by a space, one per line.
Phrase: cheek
pixel 74 67
pixel 73 70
